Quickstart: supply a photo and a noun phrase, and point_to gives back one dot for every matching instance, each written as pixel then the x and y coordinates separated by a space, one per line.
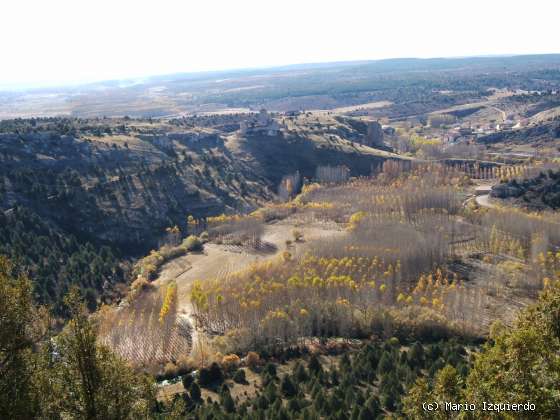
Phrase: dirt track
pixel 219 260
pixel 484 201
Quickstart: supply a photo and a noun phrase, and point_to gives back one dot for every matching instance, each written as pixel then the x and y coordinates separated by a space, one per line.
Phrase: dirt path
pixel 484 201
pixel 219 260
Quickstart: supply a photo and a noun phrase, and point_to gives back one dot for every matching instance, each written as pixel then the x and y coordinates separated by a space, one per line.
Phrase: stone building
pixel 261 123
pixel 374 136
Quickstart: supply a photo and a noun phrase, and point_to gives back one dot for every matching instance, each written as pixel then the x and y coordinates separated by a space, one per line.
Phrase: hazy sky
pixel 64 41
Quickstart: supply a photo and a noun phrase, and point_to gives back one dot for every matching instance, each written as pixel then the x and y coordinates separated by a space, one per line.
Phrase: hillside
pixel 115 185
pixel 538 193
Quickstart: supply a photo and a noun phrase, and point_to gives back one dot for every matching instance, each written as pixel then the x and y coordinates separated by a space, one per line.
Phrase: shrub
pixel 270 369
pixel 192 243
pixel 195 392
pixel 230 362
pixel 138 286
pixel 184 364
pixel 187 381
pixel 253 360
pixel 240 377
pixel 170 370
pixel 212 375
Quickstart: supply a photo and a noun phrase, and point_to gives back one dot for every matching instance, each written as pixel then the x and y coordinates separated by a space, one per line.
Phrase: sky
pixel 53 42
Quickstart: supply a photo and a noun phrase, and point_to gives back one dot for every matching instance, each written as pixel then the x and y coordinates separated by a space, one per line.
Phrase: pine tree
pixel 320 401
pixel 187 380
pixel 385 363
pixel 195 392
pixel 288 387
pixel 21 325
pixel 86 380
pixel 355 415
pixel 300 374
pixel 416 355
pixel 373 406
pixel 226 400
pixel 314 365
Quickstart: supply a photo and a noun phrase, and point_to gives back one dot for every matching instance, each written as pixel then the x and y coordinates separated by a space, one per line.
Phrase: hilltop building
pixel 374 136
pixel 261 123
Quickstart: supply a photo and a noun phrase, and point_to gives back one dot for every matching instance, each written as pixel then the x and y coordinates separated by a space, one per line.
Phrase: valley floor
pixel 218 261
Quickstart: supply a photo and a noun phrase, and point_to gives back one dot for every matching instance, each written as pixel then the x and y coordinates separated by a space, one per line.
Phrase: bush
pixel 211 376
pixel 240 377
pixel 184 364
pixel 170 370
pixel 394 341
pixel 226 401
pixel 187 381
pixel 253 360
pixel 192 243
pixel 138 286
pixel 195 392
pixel 230 362
pixel 270 369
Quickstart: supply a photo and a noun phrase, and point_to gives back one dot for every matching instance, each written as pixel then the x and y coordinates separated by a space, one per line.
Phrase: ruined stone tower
pixel 374 136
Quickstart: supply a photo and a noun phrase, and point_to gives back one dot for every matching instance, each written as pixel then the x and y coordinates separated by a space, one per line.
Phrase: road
pixel 484 201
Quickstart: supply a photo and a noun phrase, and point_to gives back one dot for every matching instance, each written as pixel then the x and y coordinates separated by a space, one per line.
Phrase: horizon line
pixel 51 85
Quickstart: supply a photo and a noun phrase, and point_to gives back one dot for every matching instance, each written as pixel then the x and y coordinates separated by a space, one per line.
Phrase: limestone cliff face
pixel 124 195
pixel 123 182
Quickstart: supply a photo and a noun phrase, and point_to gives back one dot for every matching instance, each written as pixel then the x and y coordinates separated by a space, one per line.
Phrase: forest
pixel 73 376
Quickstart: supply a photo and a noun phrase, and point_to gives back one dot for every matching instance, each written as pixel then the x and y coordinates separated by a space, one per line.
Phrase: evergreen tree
pixel 21 326
pixel 314 365
pixel 239 376
pixel 355 414
pixel 226 400
pixel 86 380
pixel 271 393
pixel 319 402
pixel 385 363
pixel 187 381
pixel 300 374
pixel 195 392
pixel 288 387
pixel 373 407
